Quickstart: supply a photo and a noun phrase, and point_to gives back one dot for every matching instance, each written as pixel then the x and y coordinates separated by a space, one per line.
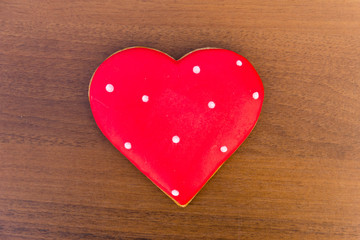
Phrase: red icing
pixel 177 105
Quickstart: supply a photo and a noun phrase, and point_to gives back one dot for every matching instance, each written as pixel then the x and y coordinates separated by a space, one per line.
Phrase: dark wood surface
pixel 297 176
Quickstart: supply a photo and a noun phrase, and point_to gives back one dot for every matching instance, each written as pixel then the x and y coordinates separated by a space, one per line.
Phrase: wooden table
pixel 296 177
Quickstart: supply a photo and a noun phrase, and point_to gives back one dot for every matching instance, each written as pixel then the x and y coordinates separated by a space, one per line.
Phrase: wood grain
pixel 296 177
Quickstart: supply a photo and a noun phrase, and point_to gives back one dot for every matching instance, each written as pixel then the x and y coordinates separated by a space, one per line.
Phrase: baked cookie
pixel 177 121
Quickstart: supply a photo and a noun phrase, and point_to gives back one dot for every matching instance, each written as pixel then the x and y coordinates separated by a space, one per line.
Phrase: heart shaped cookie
pixel 177 121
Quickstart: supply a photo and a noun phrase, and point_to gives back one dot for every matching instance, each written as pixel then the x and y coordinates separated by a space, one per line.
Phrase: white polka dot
pixel 145 98
pixel 223 149
pixel 239 63
pixel 196 69
pixel 175 192
pixel 176 139
pixel 255 95
pixel 211 104
pixel 109 88
pixel 127 145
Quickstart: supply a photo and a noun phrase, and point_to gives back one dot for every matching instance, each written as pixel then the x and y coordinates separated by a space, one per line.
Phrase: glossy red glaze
pixel 178 105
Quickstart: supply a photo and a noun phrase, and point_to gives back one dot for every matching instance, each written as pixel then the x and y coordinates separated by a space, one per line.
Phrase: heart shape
pixel 177 121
